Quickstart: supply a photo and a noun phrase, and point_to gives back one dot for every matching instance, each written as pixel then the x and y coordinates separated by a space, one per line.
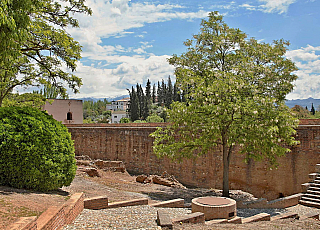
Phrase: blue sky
pixel 127 42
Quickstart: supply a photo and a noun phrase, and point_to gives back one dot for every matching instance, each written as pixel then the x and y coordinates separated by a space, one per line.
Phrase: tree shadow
pixel 6 190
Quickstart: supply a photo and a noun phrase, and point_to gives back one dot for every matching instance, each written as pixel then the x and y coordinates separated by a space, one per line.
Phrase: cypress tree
pixel 134 110
pixel 154 92
pixel 169 93
pixel 159 92
pixel 313 111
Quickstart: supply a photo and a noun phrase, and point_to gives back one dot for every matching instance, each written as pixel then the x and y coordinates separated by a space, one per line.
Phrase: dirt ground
pixel 117 186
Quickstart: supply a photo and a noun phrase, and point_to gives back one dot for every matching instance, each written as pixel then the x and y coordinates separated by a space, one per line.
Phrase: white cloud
pixel 308 82
pixel 276 6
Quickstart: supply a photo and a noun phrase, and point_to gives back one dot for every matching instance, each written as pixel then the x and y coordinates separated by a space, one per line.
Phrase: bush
pixel 124 120
pixel 36 151
pixel 154 118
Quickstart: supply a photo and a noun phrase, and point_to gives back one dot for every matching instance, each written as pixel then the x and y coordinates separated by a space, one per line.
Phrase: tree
pixel 134 108
pixel 154 118
pixel 154 93
pixel 300 112
pixel 35 46
pixel 36 150
pixel 313 111
pixel 235 91
pixel 169 93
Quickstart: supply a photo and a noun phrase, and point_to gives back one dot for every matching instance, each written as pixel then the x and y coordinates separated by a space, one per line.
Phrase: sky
pixel 128 42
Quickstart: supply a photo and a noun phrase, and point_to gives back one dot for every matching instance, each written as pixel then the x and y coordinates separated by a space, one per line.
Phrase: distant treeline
pixel 142 104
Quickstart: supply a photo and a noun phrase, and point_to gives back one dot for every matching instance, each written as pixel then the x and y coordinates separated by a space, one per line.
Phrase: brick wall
pixel 131 144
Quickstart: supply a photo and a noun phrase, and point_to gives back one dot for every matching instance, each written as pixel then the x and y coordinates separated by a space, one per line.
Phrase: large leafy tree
pixel 35 46
pixel 235 90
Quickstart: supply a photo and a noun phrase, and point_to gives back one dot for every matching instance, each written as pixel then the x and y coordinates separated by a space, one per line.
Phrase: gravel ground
pixel 144 217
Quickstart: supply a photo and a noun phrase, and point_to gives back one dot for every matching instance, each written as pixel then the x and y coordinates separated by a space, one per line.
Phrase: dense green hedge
pixel 36 151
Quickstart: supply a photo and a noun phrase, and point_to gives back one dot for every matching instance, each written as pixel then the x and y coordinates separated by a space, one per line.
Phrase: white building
pixel 118 109
pixel 121 104
pixel 117 115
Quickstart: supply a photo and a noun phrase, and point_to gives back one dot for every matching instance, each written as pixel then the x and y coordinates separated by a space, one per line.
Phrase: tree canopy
pixel 35 48
pixel 235 89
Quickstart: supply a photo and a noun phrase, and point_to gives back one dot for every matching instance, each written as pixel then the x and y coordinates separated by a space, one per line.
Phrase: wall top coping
pixel 302 123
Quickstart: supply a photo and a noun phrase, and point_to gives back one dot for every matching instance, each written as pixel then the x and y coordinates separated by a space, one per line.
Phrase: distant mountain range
pixel 97 99
pixel 290 103
pixel 304 102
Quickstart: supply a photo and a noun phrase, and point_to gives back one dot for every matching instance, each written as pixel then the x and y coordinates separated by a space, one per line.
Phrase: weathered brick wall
pixel 131 144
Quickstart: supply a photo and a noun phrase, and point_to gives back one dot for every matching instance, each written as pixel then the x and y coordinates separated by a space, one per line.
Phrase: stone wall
pixel 132 144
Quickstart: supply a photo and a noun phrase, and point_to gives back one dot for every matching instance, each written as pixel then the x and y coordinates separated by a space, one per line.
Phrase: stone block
pixel 255 218
pixel 24 223
pixel 305 187
pixel 163 219
pixel 176 203
pixel 285 215
pixel 141 201
pixel 216 221
pixel 317 169
pixel 99 202
pixel 194 218
pixel 235 220
pixel 313 215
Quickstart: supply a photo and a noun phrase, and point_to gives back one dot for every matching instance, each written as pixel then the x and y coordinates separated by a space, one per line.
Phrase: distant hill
pixel 108 98
pixel 290 103
pixel 304 102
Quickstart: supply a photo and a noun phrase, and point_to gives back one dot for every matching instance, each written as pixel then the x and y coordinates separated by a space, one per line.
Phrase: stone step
pixel 313 187
pixel 309 203
pixel 315 192
pixel 304 198
pixel 313 176
pixel 310 195
pixel 316 181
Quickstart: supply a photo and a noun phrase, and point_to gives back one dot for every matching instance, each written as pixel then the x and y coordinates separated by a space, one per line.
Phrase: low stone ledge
pixel 24 223
pixel 56 217
pixel 285 215
pixel 194 218
pixel 313 215
pixel 255 218
pixel 96 203
pixel 285 202
pixel 142 201
pixel 235 220
pixel 216 221
pixel 163 219
pixel 261 202
pixel 176 203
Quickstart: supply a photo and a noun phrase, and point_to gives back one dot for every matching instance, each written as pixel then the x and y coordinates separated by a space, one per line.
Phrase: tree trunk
pixel 225 191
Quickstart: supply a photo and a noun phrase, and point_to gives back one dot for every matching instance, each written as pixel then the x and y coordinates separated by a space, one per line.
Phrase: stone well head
pixel 215 207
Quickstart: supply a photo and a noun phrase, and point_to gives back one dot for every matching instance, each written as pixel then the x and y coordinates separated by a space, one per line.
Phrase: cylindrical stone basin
pixel 215 207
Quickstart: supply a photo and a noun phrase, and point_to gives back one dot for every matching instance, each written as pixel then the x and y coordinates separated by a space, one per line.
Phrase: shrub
pixel 124 120
pixel 36 151
pixel 154 118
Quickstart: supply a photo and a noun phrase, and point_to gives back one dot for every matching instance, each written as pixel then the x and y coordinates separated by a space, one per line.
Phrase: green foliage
pixel 36 151
pixel 35 46
pixel 234 90
pixel 154 119
pixel 124 120
pixel 301 112
pixel 96 112
pixel 139 121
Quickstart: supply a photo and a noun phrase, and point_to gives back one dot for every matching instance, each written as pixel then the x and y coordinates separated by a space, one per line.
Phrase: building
pixel 121 104
pixel 118 109
pixel 68 111
pixel 117 115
